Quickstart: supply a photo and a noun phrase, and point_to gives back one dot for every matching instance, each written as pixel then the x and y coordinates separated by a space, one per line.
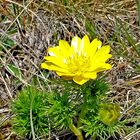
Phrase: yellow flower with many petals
pixel 79 62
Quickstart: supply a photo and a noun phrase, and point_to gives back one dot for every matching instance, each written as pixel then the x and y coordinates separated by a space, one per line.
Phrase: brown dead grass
pixel 47 23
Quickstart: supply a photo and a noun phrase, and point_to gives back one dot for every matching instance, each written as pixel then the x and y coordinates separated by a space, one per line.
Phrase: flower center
pixel 78 64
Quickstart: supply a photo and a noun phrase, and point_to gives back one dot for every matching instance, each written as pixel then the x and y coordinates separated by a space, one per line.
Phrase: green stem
pixel 76 131
pixel 32 127
pixel 94 137
pixel 84 109
pixel 31 120
pixel 82 114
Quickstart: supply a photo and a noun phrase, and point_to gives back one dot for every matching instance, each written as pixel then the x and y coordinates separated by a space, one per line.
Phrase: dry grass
pixel 39 24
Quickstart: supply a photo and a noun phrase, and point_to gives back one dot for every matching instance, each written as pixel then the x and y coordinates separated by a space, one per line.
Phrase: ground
pixel 29 27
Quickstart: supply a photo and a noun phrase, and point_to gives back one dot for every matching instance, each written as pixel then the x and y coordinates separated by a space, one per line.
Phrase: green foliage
pixel 95 92
pixel 94 127
pixel 6 39
pixel 101 118
pixel 55 109
pixel 90 29
pixel 14 70
pixel 67 105
pixel 6 42
pixel 62 111
pixel 30 102
pixel 99 86
pixel 65 2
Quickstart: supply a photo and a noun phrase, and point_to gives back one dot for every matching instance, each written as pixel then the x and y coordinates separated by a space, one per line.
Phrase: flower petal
pixel 103 50
pixel 64 48
pixel 59 61
pixel 84 44
pixel 80 80
pixel 103 68
pixel 51 66
pixel 75 43
pixel 54 51
pixel 94 45
pixel 90 75
pixel 44 66
pixel 65 74
pixel 96 61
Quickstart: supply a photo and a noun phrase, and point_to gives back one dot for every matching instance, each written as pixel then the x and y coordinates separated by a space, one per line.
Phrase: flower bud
pixel 109 113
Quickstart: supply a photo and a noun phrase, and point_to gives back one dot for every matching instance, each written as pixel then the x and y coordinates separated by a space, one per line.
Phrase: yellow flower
pixel 79 62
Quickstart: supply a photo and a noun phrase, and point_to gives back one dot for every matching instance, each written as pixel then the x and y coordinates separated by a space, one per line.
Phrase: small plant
pixel 79 103
pixel 30 116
